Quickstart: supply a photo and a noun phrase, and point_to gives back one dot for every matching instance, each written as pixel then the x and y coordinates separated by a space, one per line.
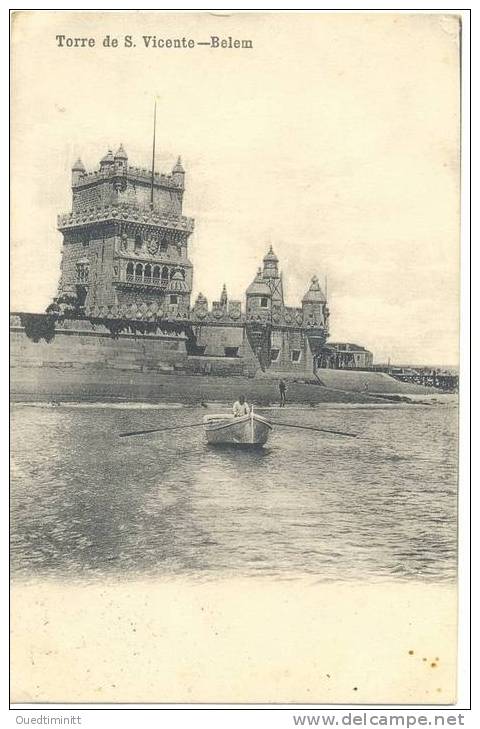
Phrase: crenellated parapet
pixel 226 312
pixel 155 311
pixel 140 174
pixel 112 166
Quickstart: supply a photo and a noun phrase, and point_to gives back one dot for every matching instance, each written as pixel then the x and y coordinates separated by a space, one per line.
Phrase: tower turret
pixel 259 298
pixel 121 159
pixel 224 296
pixel 78 170
pixel 272 277
pixel 178 173
pixel 108 161
pixel 270 265
pixel 314 304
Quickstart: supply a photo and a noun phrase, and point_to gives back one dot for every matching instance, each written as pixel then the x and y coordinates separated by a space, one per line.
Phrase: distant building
pixel 344 355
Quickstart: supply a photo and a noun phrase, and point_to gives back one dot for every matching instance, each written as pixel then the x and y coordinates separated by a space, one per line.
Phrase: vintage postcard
pixel 234 357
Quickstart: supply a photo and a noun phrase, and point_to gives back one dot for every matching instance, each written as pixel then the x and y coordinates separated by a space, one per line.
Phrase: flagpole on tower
pixel 153 150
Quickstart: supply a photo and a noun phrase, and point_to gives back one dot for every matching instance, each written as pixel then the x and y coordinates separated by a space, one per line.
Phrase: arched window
pixel 172 271
pixel 138 272
pixel 165 273
pixel 138 243
pixel 130 268
pixel 147 273
pixel 156 273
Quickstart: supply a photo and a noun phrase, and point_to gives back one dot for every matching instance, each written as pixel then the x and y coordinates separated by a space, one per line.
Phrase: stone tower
pixel 125 242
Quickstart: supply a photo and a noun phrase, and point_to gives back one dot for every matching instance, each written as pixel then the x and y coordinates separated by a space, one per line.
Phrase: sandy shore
pixel 254 640
pixel 64 384
pixel 70 384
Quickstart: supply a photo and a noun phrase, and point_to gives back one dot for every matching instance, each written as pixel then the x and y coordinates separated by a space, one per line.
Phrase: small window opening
pixel 231 351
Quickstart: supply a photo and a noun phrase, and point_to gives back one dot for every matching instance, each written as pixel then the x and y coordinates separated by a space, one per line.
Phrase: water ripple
pixel 85 503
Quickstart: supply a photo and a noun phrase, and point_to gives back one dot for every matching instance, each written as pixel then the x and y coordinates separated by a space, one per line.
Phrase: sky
pixel 335 139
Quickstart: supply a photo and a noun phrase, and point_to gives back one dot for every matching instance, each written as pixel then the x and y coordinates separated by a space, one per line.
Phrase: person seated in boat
pixel 240 407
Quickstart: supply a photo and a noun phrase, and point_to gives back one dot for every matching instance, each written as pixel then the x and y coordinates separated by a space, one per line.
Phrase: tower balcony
pixel 126 213
pixel 152 278
pixel 140 283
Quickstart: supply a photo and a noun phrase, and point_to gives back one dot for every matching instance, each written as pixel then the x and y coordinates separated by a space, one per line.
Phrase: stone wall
pixel 290 344
pixel 218 349
pixel 79 344
pixel 215 339
pixel 111 190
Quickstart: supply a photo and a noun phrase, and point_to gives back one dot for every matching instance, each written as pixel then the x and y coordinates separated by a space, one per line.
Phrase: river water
pixel 88 505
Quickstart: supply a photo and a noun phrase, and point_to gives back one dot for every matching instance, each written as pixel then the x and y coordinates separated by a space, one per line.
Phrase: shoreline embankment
pixel 51 383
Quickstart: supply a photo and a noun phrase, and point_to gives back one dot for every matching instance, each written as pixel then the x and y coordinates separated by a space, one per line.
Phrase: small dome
pixel 201 299
pixel 120 154
pixel 78 166
pixel 179 167
pixel 314 294
pixel 270 256
pixel 258 287
pixel 108 159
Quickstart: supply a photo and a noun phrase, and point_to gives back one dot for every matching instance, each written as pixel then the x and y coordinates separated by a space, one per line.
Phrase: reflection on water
pixel 86 503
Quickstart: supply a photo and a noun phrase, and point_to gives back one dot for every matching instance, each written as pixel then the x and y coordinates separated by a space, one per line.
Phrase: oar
pixel 310 427
pixel 159 430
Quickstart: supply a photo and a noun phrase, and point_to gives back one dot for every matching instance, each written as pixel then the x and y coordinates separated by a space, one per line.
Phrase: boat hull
pixel 249 430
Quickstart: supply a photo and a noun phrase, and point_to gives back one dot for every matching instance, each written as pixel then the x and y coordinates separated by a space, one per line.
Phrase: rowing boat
pixel 247 430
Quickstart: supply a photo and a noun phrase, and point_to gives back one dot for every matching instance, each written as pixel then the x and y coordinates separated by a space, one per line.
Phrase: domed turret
pixel 259 299
pixel 259 287
pixel 270 264
pixel 314 305
pixel 272 276
pixel 107 161
pixel 270 256
pixel 178 173
pixel 121 158
pixel 120 154
pixel 314 295
pixel 78 170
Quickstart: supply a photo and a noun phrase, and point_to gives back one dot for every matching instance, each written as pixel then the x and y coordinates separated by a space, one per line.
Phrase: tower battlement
pixel 116 182
pixel 141 174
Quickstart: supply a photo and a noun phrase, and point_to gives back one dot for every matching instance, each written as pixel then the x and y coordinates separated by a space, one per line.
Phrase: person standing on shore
pixel 283 389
